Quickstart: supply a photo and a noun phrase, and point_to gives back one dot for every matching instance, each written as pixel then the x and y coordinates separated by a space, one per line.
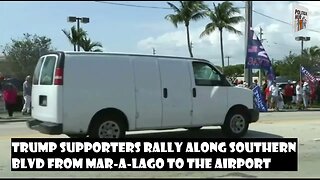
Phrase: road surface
pixel 302 125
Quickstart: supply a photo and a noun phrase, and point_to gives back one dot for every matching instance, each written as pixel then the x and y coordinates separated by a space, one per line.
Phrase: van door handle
pixel 194 92
pixel 165 92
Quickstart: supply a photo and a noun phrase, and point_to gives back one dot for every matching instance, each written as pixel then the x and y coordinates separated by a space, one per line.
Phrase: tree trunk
pixel 221 46
pixel 188 40
pixel 74 47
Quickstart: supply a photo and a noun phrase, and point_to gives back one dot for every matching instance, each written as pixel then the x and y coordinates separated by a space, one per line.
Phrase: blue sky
pixel 138 30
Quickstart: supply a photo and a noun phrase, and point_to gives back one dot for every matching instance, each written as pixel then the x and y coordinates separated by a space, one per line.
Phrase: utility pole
pixel 228 59
pixel 248 72
pixel 260 70
pixel 153 51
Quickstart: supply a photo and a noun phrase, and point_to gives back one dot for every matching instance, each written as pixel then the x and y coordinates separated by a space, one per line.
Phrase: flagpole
pixel 300 72
pixel 248 23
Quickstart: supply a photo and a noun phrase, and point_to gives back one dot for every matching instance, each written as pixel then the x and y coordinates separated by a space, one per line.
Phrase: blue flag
pixel 307 74
pixel 258 99
pixel 257 57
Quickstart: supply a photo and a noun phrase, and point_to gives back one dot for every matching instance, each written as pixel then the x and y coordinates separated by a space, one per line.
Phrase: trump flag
pixel 257 57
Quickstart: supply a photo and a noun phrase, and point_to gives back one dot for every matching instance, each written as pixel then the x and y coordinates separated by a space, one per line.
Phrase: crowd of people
pixel 10 93
pixel 293 95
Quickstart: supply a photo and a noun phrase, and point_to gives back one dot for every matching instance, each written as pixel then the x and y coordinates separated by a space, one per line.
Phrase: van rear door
pixel 47 88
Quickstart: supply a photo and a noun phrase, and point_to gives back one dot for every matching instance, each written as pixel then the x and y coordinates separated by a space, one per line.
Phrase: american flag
pixel 307 75
pixel 253 49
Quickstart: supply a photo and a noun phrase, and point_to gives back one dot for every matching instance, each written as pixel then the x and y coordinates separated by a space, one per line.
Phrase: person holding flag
pixel 310 85
pixel 305 95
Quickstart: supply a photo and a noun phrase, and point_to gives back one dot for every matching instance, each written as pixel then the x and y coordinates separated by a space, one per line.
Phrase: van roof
pixel 126 54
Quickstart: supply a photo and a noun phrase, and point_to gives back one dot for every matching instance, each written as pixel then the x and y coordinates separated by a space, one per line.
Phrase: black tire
pixel 105 124
pixel 76 135
pixel 194 128
pixel 236 124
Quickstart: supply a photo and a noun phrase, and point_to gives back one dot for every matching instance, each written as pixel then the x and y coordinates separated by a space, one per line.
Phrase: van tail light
pixel 58 77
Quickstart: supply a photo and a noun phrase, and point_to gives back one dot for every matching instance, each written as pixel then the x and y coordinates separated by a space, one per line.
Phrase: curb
pixel 4 120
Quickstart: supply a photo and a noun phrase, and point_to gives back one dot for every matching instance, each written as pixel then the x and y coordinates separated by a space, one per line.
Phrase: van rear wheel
pixel 236 124
pixel 107 127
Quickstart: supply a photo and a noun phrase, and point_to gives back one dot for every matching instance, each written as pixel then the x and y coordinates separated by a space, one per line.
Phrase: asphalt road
pixel 302 125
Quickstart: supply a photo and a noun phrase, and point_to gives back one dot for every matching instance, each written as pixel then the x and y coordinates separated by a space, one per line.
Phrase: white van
pixel 103 95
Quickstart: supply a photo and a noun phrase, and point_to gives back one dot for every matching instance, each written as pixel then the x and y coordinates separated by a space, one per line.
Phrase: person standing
pixel 305 94
pixel 274 90
pixel 288 93
pixel 10 98
pixel 299 94
pixel 318 92
pixel 27 86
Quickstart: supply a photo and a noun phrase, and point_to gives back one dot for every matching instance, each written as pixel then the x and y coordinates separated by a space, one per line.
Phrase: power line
pixel 167 8
pixel 271 17
pixel 139 6
pixel 132 5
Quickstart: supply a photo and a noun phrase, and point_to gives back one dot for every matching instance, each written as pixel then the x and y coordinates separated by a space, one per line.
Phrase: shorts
pixel 299 98
pixel 274 99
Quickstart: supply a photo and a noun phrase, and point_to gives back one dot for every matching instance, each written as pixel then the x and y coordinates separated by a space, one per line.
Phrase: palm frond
pixel 87 45
pixel 233 30
pixel 236 19
pixel 177 10
pixel 174 19
pixel 210 27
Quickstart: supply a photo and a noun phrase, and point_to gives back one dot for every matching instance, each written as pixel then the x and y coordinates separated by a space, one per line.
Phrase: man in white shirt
pixel 274 91
pixel 299 94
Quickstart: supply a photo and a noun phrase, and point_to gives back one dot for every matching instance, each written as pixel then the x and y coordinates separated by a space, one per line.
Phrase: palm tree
pixel 222 16
pixel 87 45
pixel 75 36
pixel 313 53
pixel 189 10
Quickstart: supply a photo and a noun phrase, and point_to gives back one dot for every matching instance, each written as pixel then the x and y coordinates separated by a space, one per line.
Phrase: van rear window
pixel 47 71
pixel 36 73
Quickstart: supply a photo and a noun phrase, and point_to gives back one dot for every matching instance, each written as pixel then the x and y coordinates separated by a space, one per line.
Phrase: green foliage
pixel 87 45
pixel 290 65
pixel 75 36
pixel 234 70
pixel 80 37
pixel 22 55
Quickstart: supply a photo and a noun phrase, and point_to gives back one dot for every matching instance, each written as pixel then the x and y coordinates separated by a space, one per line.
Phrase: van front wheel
pixel 107 127
pixel 236 124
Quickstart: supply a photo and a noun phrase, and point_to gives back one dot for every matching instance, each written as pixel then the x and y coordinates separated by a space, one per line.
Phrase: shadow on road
pixel 202 133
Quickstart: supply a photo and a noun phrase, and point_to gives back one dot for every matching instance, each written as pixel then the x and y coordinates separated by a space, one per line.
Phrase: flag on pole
pixel 309 78
pixel 257 57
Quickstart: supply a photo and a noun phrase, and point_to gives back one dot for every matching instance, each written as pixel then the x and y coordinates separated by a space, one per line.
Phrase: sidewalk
pixel 17 117
pixel 293 110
